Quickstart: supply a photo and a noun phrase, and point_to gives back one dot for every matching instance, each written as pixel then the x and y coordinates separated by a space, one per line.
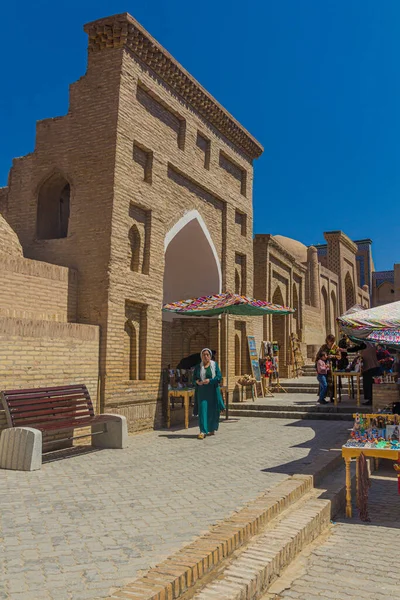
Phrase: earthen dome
pixel 294 247
pixel 9 242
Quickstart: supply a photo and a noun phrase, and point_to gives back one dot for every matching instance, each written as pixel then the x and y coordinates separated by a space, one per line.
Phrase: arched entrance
pixel 349 291
pixel 279 329
pixel 191 269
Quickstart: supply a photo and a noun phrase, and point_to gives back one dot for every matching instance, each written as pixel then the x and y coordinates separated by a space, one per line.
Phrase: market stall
pixel 378 326
pixel 225 304
pixel 373 436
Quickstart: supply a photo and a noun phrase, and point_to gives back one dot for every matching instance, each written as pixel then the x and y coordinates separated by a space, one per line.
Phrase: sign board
pixel 255 364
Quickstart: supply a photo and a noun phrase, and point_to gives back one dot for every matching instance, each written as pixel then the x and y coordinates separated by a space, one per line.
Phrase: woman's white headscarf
pixel 202 367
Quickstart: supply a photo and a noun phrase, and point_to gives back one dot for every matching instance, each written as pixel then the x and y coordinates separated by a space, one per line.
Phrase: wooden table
pixel 349 375
pixel 186 394
pixel 376 453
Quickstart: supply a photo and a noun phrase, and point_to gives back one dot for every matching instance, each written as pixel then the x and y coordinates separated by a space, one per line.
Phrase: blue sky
pixel 315 81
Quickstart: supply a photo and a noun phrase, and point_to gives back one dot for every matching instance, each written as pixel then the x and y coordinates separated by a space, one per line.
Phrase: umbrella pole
pixel 227 364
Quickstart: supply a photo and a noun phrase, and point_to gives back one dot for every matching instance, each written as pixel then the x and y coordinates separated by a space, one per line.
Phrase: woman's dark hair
pixel 330 338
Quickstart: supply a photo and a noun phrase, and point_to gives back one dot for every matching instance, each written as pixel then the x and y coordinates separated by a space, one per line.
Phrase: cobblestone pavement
pixel 358 560
pixel 87 523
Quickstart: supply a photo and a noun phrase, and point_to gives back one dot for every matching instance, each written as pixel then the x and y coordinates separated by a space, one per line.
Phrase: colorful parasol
pixel 379 324
pixel 217 304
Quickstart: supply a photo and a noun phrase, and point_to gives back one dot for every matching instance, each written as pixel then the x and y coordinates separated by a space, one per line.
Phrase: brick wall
pixel 36 290
pixel 39 353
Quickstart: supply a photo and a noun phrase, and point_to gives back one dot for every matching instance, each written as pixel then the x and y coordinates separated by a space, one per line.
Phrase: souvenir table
pixel 186 394
pixel 339 374
pixel 376 436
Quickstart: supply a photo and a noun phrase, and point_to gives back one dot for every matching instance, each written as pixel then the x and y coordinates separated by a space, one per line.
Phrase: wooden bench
pixel 30 413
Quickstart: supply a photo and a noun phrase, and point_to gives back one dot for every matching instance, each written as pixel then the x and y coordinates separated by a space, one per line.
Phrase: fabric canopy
pixel 379 324
pixel 208 306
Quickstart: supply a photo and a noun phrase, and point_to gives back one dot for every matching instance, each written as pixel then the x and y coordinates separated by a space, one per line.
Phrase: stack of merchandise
pixel 375 431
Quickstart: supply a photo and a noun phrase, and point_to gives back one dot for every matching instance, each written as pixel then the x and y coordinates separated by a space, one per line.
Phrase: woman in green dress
pixel 208 399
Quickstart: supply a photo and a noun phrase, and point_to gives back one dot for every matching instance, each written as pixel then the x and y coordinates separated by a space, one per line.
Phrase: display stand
pixel 274 383
pixel 297 358
pixel 265 381
pixel 255 364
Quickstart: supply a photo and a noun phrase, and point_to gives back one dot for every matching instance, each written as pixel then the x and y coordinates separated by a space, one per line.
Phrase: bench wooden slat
pixel 37 414
pixel 46 390
pixel 50 402
pixel 49 395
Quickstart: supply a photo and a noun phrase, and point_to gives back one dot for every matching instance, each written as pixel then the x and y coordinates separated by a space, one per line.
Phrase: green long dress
pixel 208 400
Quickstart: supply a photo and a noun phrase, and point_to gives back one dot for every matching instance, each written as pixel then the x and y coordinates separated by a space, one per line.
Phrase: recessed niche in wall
pixel 241 222
pixel 53 208
pixel 204 146
pixel 144 159
pixel 139 239
pixel 135 340
pixel 240 274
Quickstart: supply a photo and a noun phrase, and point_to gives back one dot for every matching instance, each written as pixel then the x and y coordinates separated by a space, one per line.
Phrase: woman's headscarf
pixel 202 367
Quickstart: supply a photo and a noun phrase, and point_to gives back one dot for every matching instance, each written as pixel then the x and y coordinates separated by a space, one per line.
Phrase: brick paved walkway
pixel 88 523
pixel 358 560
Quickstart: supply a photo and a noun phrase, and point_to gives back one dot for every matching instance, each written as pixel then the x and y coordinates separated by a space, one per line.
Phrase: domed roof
pixel 295 248
pixel 9 242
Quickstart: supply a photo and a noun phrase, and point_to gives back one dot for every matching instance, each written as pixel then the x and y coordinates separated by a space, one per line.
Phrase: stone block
pixel 115 435
pixel 21 449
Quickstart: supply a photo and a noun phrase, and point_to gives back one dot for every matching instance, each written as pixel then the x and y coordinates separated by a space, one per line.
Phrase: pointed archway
pixel 279 330
pixel 192 268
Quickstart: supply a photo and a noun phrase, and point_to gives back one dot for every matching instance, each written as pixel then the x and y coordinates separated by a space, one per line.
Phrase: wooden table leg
pixel 348 488
pixel 358 390
pixel 186 404
pixel 376 463
pixel 357 478
pixel 334 389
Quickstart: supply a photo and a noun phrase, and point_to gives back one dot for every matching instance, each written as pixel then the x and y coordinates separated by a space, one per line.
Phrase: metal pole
pixel 227 364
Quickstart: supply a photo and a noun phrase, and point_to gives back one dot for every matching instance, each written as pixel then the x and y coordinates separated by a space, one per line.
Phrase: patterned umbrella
pixel 228 304
pixel 379 324
pixel 233 304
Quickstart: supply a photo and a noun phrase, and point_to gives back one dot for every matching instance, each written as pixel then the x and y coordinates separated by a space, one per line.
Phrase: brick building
pixel 320 282
pixel 140 195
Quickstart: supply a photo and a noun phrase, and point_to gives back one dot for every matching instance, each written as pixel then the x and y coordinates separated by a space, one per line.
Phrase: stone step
pixel 179 573
pixel 268 554
pixel 293 414
pixel 291 514
pixel 324 408
pixel 252 571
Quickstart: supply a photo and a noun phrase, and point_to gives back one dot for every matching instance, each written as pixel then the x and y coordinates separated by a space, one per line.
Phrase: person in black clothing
pixel 192 360
pixel 370 367
pixel 343 362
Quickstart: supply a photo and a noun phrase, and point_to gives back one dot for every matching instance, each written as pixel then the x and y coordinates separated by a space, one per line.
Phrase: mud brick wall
pixel 39 353
pixel 36 290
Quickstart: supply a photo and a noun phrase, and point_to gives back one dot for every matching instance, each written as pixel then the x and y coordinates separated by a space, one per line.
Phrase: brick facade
pixel 140 195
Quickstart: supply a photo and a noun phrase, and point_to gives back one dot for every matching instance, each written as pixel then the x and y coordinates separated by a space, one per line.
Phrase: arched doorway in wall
pixel 53 208
pixel 349 291
pixel 334 313
pixel 191 269
pixel 279 332
pixel 296 314
pixel 325 310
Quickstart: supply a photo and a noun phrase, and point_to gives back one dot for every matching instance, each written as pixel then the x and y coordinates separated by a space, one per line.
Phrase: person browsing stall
pixel 322 372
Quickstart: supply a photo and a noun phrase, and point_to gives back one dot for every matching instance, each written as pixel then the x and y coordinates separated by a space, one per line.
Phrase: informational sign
pixel 255 364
